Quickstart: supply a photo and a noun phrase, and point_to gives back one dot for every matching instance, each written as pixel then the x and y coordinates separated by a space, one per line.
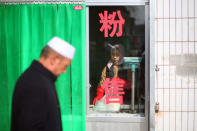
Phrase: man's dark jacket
pixel 35 105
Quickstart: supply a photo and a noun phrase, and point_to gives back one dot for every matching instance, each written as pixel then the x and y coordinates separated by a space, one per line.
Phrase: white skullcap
pixel 62 47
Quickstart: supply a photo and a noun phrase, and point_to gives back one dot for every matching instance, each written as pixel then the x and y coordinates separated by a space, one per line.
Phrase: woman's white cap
pixel 62 47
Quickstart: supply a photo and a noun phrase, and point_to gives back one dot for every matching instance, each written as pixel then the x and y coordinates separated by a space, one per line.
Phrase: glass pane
pixel 117 56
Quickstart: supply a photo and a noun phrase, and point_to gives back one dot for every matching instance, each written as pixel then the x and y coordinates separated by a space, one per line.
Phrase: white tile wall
pixel 185 23
pixel 172 49
pixel 195 125
pixel 178 117
pixel 178 100
pixel 195 8
pixel 166 52
pixel 156 53
pixel 156 92
pixel 195 50
pixel 160 99
pixel 172 121
pixel 195 104
pixel 185 81
pixel 191 81
pixel 191 29
pixel 166 121
pixel 166 83
pixel 178 82
pixel 178 9
pixel 191 48
pixel 185 48
pixel 178 30
pixel 172 100
pixel 184 121
pixel 172 77
pixel 160 78
pixel 172 8
pixel 166 8
pixel 191 121
pixel 156 13
pixel 176 50
pixel 172 29
pixel 166 99
pixel 191 8
pixel 160 29
pixel 160 53
pixel 184 8
pixel 160 8
pixel 156 32
pixel 195 25
pixel 191 100
pixel 159 122
pixel 184 100
pixel 166 29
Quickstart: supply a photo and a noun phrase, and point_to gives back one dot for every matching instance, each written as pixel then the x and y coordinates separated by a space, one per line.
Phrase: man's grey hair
pixel 47 51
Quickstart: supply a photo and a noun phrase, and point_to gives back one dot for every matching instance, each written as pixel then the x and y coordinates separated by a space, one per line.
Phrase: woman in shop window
pixel 112 69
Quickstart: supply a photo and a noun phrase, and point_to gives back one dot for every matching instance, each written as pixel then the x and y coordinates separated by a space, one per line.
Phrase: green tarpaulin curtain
pixel 24 31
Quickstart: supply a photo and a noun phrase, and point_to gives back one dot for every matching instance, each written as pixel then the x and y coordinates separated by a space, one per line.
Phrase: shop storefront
pixel 110 83
pixel 124 24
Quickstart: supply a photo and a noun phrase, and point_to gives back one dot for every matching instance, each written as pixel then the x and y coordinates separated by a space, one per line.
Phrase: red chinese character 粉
pixel 108 21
